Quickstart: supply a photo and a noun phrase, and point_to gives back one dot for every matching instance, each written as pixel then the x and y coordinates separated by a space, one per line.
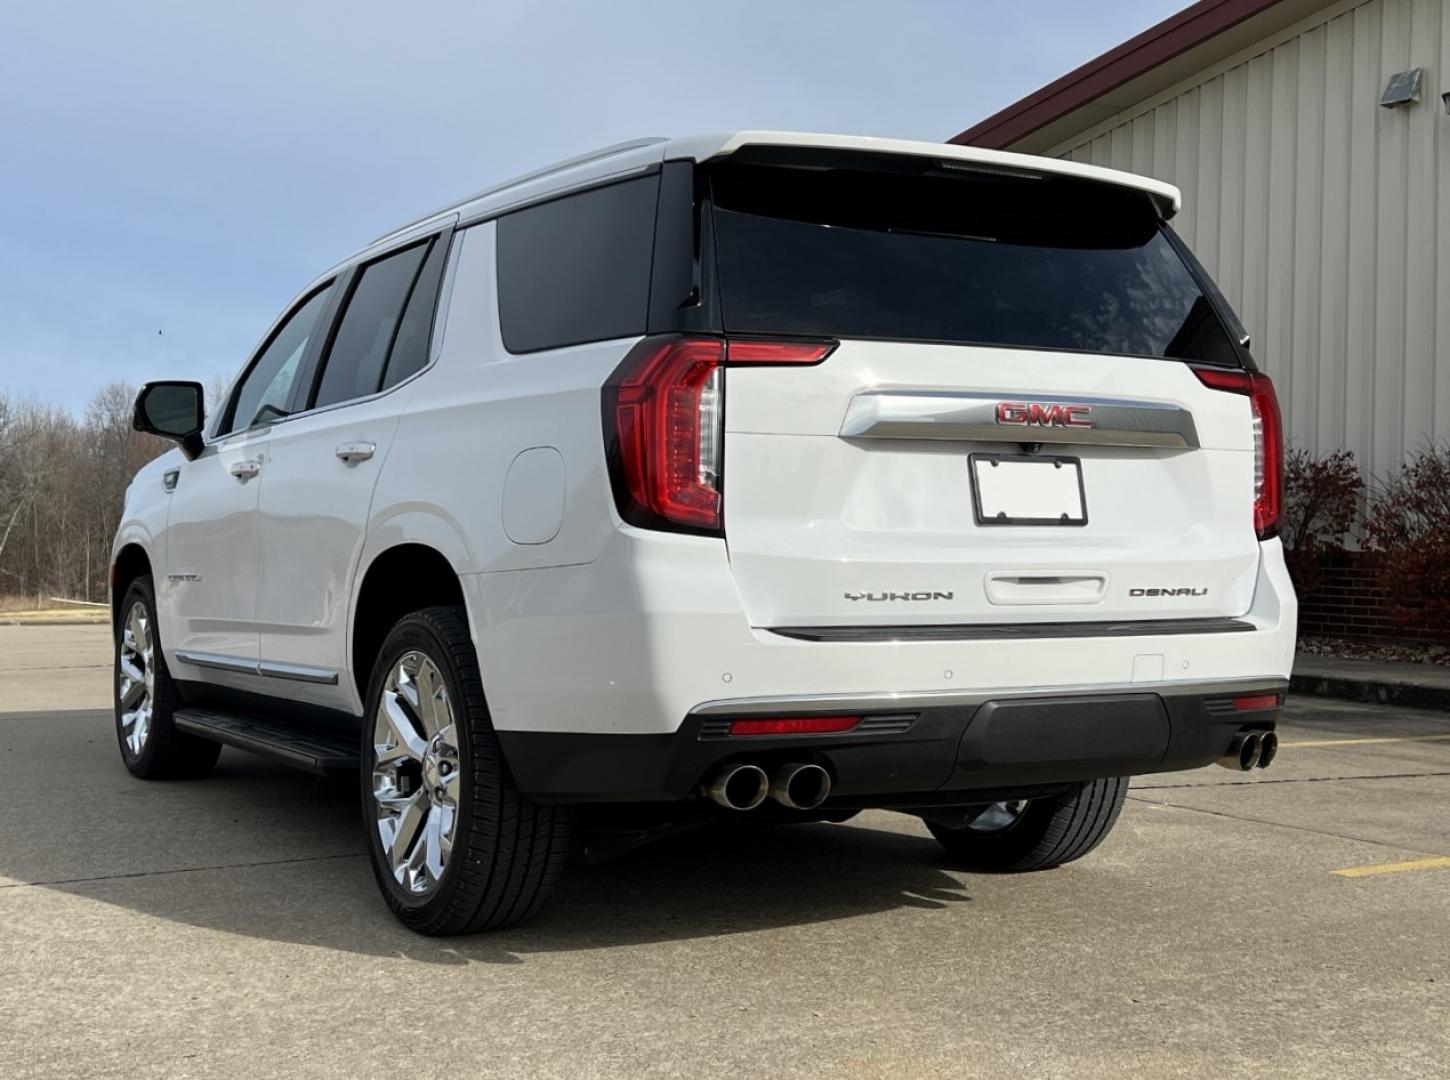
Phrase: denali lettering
pixel 880 596
pixel 1040 414
pixel 1168 592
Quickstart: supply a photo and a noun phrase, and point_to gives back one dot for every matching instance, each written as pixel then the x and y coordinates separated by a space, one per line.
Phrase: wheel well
pixel 402 579
pixel 131 563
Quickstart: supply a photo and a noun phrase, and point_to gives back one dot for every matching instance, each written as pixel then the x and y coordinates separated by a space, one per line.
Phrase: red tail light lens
pixel 778 352
pixel 664 424
pixel 663 413
pixel 1268 439
pixel 794 725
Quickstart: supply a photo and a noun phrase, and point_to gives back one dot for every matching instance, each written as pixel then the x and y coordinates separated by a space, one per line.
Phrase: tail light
pixel 664 425
pixel 1268 439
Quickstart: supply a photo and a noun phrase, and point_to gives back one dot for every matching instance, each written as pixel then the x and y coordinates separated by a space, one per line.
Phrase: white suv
pixel 760 476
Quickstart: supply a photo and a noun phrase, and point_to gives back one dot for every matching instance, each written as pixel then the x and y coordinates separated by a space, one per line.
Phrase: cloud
pixel 188 167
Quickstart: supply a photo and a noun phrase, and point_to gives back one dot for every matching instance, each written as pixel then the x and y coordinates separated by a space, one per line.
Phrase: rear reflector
pixel 794 725
pixel 1268 439
pixel 1256 702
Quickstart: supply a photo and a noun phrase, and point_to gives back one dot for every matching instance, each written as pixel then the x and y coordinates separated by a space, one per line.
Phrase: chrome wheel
pixel 136 678
pixel 995 817
pixel 416 776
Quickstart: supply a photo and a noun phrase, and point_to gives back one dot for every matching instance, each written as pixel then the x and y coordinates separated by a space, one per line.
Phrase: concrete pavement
pixel 230 926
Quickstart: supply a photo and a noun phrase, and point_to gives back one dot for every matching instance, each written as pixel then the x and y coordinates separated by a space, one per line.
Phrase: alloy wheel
pixel 136 678
pixel 417 781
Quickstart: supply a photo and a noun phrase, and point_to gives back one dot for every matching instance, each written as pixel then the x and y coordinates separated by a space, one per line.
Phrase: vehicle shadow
pixel 262 851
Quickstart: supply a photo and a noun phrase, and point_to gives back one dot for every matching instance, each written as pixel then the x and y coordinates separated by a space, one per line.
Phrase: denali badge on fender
pixel 1043 414
pixel 1168 592
pixel 878 596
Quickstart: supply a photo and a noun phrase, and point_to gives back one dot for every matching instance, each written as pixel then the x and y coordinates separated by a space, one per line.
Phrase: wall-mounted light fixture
pixel 1402 89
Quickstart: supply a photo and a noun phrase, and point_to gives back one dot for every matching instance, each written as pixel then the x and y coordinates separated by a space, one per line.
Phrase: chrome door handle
pixel 245 470
pixel 350 452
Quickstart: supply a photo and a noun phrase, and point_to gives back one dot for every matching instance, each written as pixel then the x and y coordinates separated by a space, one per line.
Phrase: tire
pixel 1045 833
pixel 420 785
pixel 151 746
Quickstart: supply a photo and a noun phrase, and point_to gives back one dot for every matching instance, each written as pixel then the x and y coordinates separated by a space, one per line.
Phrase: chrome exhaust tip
pixel 1268 749
pixel 1244 752
pixel 739 787
pixel 800 786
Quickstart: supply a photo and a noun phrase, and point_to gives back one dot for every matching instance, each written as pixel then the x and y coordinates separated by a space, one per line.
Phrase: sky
pixel 172 173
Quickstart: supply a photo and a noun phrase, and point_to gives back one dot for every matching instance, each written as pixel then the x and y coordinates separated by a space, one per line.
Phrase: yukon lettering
pixel 887 596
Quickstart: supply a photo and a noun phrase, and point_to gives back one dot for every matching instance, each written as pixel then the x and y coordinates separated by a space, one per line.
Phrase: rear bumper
pixel 925 749
pixel 603 680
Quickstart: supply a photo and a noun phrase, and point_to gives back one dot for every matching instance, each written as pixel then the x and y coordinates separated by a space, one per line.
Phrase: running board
pixel 304 749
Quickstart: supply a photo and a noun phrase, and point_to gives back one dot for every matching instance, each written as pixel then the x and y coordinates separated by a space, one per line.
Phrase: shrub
pixel 1409 530
pixel 1321 501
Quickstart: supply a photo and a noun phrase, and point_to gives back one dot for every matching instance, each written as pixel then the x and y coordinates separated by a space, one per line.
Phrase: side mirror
pixel 172 410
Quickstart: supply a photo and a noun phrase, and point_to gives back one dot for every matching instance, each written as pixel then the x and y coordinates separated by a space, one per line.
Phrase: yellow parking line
pixel 1432 863
pixel 1366 742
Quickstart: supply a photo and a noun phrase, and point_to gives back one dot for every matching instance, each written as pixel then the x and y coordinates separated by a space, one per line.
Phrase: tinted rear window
pixel 926 254
pixel 577 269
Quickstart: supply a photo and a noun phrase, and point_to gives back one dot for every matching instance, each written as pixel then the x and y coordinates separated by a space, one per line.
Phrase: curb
pixel 1372 691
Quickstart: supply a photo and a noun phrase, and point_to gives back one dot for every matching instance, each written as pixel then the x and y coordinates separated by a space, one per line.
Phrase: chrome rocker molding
pixel 938 414
pixel 897 701
pixel 268 669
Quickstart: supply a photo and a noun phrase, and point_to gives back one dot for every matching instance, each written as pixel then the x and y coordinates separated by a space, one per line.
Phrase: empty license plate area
pixel 1027 489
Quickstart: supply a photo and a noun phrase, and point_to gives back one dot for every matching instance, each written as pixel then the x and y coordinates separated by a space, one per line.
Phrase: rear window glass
pixel 930 254
pixel 577 269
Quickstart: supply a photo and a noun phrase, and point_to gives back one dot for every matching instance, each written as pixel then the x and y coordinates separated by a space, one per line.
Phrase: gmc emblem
pixel 1040 414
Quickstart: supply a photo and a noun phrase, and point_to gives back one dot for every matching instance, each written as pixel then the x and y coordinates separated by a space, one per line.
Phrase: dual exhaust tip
pixel 1251 749
pixel 797 786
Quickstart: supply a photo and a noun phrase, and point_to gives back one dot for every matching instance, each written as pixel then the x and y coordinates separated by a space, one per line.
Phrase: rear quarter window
pixel 577 269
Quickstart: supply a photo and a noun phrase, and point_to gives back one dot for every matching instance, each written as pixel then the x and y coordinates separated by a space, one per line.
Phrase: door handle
pixel 245 470
pixel 351 452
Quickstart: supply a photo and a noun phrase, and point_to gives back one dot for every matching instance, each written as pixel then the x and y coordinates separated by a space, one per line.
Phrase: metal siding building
pixel 1323 216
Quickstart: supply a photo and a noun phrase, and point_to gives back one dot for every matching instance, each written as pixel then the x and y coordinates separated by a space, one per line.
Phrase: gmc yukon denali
pixel 759 478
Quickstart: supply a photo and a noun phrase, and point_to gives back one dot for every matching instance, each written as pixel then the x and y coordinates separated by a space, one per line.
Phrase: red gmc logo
pixel 1038 414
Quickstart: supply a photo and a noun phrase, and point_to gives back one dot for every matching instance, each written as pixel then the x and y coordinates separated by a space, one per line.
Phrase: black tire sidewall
pixel 414 634
pixel 1001 849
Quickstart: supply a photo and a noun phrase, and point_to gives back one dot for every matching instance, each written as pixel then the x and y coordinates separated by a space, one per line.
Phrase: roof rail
pixel 560 166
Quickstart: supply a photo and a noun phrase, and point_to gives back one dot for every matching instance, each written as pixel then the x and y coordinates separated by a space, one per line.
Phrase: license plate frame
pixel 1065 518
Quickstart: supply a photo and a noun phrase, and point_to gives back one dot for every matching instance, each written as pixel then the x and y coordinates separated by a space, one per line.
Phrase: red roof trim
pixel 1173 36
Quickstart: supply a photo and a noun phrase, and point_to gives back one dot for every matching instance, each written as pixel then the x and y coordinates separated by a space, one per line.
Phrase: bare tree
pixel 62 481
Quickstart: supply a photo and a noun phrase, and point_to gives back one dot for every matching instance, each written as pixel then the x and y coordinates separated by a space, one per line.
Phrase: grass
pixel 25 609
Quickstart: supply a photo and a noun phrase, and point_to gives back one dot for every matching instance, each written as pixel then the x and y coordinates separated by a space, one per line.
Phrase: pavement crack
pixel 1280 825
pixel 182 870
pixel 1292 780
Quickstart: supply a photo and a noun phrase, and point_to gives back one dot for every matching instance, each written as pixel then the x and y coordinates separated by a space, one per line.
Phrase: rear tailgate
pixel 849 493
pixel 1010 428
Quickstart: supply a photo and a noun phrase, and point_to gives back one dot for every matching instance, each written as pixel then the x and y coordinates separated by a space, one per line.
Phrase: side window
pixel 410 347
pixel 354 364
pixel 577 269
pixel 263 394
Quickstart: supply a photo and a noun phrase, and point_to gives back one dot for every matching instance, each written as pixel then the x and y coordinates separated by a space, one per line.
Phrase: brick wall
pixel 1346 602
